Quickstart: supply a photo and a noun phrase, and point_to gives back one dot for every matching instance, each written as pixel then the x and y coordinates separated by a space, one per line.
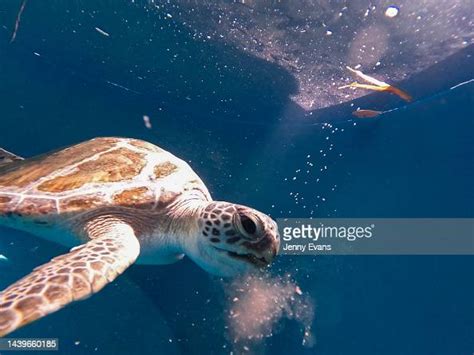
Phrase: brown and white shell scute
pixel 101 172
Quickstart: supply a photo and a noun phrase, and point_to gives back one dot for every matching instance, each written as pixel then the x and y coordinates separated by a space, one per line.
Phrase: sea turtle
pixel 117 201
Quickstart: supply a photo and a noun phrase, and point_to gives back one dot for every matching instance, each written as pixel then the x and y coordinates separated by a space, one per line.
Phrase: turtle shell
pixel 98 173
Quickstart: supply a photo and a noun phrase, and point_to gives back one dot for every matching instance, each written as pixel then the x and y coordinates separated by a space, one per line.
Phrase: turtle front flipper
pixel 74 276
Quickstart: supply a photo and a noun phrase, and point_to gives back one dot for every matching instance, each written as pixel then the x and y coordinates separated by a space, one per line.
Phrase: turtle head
pixel 233 239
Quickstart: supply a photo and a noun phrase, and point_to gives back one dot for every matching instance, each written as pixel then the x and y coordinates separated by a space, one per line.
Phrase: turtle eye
pixel 247 225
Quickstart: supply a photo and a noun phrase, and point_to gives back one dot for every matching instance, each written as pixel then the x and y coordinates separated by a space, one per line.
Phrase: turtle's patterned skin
pixel 97 173
pixel 117 201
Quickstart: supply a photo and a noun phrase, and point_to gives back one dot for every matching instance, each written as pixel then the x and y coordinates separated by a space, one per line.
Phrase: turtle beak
pixel 269 254
pixel 266 248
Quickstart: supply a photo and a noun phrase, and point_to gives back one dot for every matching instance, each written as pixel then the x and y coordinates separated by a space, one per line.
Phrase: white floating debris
pixel 146 120
pixel 3 257
pixel 328 33
pixel 102 32
pixel 121 86
pixel 391 11
pixel 37 54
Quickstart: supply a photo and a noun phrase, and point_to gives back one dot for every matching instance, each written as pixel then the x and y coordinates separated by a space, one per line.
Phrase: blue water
pixel 416 161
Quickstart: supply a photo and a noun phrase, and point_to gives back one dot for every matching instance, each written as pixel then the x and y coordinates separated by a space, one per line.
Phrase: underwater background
pixel 81 69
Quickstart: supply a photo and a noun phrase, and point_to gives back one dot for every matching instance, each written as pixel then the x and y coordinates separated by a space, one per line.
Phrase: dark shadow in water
pixel 166 68
pixel 156 61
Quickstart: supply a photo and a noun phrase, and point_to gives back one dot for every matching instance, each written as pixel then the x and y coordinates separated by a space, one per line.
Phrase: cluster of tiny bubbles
pixel 259 303
pixel 314 171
